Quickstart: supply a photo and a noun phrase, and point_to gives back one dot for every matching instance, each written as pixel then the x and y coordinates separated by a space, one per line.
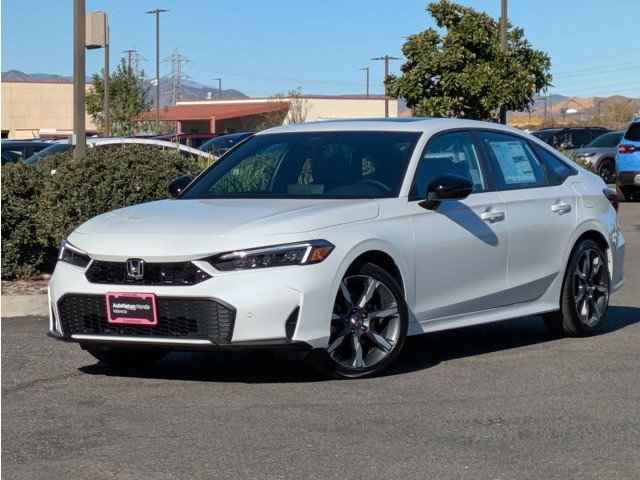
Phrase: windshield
pixel 608 140
pixel 53 149
pixel 310 165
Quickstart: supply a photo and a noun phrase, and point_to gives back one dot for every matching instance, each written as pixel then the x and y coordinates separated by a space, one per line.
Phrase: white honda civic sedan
pixel 342 238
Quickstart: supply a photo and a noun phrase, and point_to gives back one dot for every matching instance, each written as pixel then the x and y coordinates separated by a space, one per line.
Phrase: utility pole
pixel 366 69
pixel 157 13
pixel 386 59
pixel 503 47
pixel 219 86
pixel 105 106
pixel 130 56
pixel 79 79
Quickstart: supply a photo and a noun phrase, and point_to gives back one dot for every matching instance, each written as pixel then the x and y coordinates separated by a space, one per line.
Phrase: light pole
pixel 219 86
pixel 386 59
pixel 366 69
pixel 79 133
pixel 503 47
pixel 105 106
pixel 157 13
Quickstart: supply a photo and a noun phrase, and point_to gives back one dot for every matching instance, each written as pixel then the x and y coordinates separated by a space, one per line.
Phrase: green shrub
pixel 40 208
pixel 106 179
pixel 23 253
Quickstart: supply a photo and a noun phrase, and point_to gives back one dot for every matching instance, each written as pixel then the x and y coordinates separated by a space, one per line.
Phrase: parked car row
pixel 569 138
pixel 19 150
pixel 32 152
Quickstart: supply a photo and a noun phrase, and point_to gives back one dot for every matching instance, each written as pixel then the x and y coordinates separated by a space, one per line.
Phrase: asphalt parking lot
pixel 499 401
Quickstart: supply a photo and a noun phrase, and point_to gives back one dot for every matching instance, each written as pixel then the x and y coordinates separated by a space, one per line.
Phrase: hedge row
pixel 40 208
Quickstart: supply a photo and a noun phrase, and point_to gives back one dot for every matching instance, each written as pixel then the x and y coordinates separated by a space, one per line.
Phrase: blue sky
pixel 265 47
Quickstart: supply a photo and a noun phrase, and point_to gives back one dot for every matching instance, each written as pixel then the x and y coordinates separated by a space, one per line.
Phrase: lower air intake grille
pixel 187 318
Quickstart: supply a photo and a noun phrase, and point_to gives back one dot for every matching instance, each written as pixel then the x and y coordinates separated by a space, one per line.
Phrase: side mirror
pixel 177 186
pixel 446 187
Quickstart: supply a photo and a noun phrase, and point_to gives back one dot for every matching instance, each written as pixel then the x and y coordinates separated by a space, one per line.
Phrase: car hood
pixel 194 228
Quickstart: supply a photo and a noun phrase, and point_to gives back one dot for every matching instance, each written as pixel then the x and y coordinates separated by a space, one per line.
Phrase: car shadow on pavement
pixel 420 352
pixel 427 350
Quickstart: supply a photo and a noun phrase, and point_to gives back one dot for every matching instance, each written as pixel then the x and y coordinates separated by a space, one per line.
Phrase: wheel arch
pixel 383 260
pixel 591 232
pixel 383 254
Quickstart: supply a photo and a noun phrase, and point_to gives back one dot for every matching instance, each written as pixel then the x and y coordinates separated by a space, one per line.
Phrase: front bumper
pixel 629 178
pixel 275 307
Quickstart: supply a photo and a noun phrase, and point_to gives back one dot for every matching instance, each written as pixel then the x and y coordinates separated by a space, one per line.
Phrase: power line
pixel 591 73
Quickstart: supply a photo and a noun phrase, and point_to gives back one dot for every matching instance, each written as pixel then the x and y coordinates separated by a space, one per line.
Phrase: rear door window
pixel 515 164
pixel 557 170
pixel 633 133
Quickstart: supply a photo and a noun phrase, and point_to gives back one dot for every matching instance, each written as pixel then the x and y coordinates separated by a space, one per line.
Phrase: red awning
pixel 218 111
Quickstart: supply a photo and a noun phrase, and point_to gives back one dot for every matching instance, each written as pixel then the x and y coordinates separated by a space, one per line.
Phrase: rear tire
pixel 123 357
pixel 368 325
pixel 585 293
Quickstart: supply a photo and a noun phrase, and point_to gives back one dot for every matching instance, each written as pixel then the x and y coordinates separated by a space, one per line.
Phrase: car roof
pixel 145 141
pixel 26 142
pixel 402 124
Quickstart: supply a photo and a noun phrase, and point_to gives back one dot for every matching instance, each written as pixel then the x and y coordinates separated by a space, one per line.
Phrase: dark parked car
pixel 600 154
pixel 570 137
pixel 18 150
pixel 194 140
pixel 219 145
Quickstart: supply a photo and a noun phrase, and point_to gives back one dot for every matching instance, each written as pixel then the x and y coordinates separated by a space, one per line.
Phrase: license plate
pixel 132 308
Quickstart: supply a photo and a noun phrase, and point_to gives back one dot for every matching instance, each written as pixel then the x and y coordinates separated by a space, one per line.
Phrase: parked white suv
pixel 343 238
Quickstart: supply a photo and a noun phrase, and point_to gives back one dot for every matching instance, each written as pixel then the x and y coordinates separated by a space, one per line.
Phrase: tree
pixel 127 100
pixel 295 110
pixel 463 72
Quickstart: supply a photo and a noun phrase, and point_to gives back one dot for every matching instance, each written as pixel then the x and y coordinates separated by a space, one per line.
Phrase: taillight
pixel 612 196
pixel 626 148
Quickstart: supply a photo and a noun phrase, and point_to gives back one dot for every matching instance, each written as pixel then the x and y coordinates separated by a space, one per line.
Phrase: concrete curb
pixel 25 305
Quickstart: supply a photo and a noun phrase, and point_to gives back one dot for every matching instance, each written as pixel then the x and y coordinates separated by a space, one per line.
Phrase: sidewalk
pixel 24 306
pixel 24 298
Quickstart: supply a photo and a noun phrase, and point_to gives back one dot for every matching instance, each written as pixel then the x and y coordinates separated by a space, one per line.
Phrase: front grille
pixel 175 273
pixel 188 318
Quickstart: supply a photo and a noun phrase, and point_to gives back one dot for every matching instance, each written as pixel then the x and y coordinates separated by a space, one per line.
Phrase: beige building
pixel 220 116
pixel 38 110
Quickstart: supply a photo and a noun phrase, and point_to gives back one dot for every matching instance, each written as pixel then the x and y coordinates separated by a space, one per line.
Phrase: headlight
pixel 303 253
pixel 70 254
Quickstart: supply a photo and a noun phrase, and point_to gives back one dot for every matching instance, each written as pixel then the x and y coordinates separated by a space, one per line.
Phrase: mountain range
pixel 189 89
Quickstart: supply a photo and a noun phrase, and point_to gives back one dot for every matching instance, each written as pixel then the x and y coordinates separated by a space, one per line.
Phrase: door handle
pixel 492 216
pixel 561 208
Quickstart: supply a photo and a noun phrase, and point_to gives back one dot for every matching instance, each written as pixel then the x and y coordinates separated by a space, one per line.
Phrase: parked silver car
pixel 600 155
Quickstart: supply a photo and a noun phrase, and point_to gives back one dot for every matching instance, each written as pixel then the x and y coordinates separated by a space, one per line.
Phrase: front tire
pixel 607 171
pixel 585 293
pixel 122 357
pixel 368 324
